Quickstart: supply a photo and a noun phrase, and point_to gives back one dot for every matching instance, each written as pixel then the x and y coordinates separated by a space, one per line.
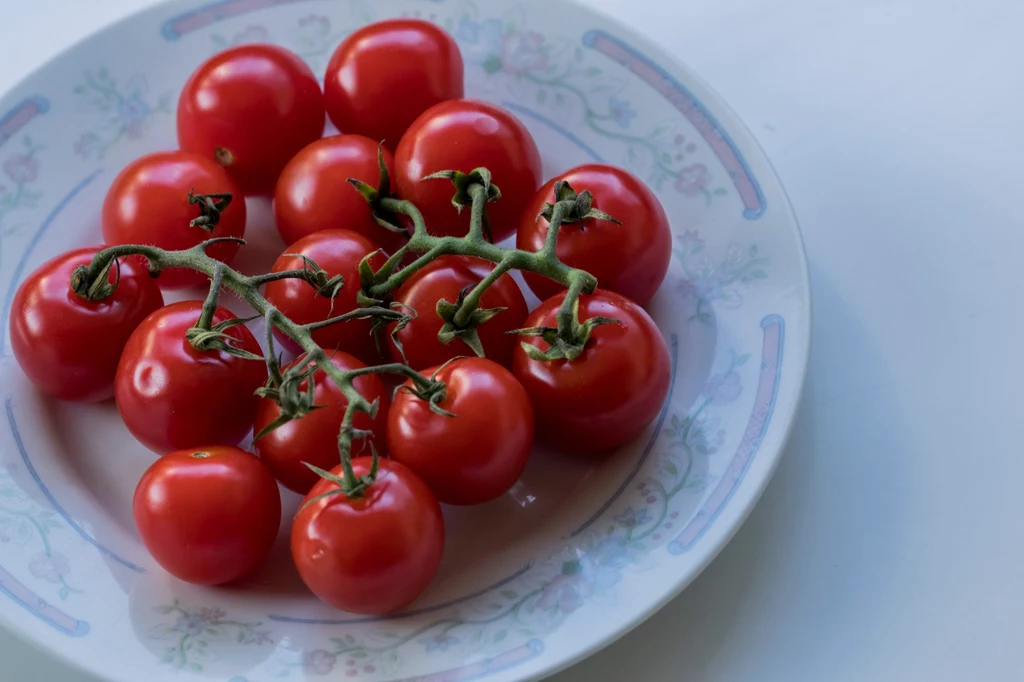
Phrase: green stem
pixel 247 289
pixel 205 320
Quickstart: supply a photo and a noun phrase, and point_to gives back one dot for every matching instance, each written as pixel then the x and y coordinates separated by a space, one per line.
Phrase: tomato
pixel 67 345
pixel 313 437
pixel 373 554
pixel 478 454
pixel 338 252
pixel 462 135
pixel 607 395
pixel 148 203
pixel 312 194
pixel 444 278
pixel 172 396
pixel 384 75
pixel 252 108
pixel 208 515
pixel 630 259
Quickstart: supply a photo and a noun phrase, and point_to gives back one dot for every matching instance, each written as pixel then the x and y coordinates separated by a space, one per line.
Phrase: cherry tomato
pixel 384 75
pixel 208 515
pixel 67 345
pixel 480 453
pixel 444 278
pixel 338 252
pixel 148 203
pixel 252 108
pixel 373 554
pixel 462 135
pixel 312 194
pixel 630 259
pixel 608 394
pixel 313 437
pixel 172 396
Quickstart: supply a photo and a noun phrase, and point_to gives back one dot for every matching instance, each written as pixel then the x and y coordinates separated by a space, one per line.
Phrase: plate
pixel 578 552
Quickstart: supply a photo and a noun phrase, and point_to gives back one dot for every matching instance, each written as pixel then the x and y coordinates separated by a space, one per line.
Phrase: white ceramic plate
pixel 576 554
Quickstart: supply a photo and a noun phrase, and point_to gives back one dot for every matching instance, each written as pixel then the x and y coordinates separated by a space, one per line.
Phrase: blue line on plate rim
pixel 9 406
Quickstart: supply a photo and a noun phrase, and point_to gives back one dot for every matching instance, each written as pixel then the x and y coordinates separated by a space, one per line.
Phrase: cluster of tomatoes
pixel 188 383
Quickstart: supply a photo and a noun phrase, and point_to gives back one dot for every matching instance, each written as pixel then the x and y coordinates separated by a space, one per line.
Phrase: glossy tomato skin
pixel 630 259
pixel 443 279
pixel 338 252
pixel 374 554
pixel 148 204
pixel 608 394
pixel 411 63
pixel 312 194
pixel 479 454
pixel 252 108
pixel 463 135
pixel 172 396
pixel 69 346
pixel 208 515
pixel 313 438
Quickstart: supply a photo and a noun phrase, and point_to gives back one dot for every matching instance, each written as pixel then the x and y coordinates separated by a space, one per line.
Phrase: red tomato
pixel 148 204
pixel 208 515
pixel 630 259
pixel 252 108
pixel 312 194
pixel 313 438
pixel 462 135
pixel 338 252
pixel 410 63
pixel 67 345
pixel 172 396
pixel 444 278
pixel 478 454
pixel 608 394
pixel 373 554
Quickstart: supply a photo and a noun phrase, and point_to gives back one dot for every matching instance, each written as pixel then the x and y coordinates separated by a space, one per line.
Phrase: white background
pixel 889 546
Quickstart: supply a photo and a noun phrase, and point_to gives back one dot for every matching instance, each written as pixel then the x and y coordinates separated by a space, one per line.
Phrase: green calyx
pixel 215 338
pixel 99 287
pixel 374 195
pixel 467 331
pixel 576 207
pixel 563 344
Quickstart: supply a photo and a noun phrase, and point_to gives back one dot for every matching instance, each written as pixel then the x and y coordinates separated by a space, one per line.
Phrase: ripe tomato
pixel 338 252
pixel 462 135
pixel 608 394
pixel 208 515
pixel 67 345
pixel 444 278
pixel 313 437
pixel 478 454
pixel 148 203
pixel 312 194
pixel 630 259
pixel 410 63
pixel 172 396
pixel 373 554
pixel 252 108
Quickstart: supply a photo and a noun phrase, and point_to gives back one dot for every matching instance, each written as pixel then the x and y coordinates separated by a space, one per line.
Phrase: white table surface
pixel 889 545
